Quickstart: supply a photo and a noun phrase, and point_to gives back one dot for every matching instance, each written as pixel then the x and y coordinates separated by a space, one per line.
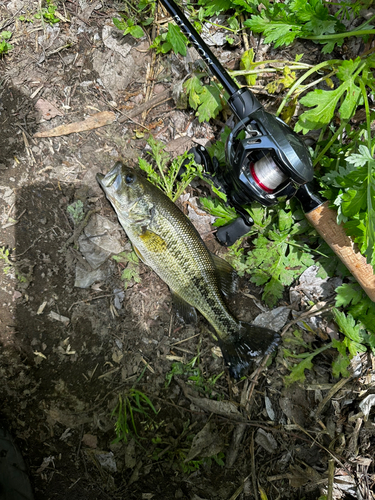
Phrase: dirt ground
pixel 67 353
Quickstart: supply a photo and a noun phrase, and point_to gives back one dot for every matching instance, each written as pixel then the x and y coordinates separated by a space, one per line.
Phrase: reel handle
pixel 324 220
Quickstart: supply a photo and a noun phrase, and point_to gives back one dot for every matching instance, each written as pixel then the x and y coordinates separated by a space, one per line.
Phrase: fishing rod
pixel 266 161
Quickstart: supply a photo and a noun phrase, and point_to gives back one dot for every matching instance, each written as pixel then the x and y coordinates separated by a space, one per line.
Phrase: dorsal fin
pixel 227 275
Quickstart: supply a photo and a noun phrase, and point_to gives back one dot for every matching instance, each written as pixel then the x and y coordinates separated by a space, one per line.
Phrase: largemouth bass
pixel 165 239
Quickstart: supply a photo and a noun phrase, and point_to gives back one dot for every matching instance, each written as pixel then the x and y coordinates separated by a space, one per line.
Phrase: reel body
pixel 265 162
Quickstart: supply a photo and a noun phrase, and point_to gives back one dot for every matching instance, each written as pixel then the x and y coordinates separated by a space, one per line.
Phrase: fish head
pixel 126 190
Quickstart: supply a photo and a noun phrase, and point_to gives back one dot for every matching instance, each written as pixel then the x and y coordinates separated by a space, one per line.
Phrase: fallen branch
pixel 93 121
pixel 158 99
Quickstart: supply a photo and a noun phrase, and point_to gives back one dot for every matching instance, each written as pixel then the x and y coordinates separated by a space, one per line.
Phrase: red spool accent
pixel 257 180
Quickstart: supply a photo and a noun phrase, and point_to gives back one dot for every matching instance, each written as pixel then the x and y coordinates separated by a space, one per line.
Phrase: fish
pixel 166 240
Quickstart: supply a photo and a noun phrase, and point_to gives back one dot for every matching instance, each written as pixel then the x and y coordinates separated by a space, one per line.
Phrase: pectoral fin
pixel 226 274
pixel 153 241
pixel 184 310
pixel 139 255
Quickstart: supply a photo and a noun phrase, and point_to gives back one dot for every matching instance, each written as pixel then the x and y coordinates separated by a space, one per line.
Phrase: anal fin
pixel 226 274
pixel 183 309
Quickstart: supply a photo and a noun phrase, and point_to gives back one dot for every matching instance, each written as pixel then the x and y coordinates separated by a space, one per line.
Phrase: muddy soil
pixel 69 354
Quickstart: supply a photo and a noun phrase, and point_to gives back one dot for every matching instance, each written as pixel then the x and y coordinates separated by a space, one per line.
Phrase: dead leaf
pixel 47 110
pixel 205 444
pixel 266 440
pixel 93 121
pixel 366 404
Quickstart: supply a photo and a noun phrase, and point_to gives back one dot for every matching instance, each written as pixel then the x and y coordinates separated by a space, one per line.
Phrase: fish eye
pixel 129 178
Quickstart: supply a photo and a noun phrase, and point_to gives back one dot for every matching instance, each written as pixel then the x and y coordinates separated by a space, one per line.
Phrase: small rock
pixel 277 318
pixel 90 440
pixel 158 88
pixel 107 461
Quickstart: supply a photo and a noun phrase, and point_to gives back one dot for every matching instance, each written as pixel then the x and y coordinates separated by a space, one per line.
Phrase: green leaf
pixel 319 27
pixel 341 363
pixel 166 47
pixel 246 5
pixel 177 39
pixel 210 103
pixel 280 32
pixel 348 326
pixel 347 68
pixel 151 174
pixel 6 35
pixel 360 159
pixel 119 23
pixel 325 102
pixel 215 6
pixel 273 291
pixel 218 148
pixel 285 220
pixel 218 209
pixel 136 31
pixel 353 201
pixel 193 88
pixel 348 293
pixel 297 373
pixel 349 105
pixel 247 63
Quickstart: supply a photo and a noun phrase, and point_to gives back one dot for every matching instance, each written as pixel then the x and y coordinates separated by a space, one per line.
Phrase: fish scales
pixel 166 240
pixel 188 262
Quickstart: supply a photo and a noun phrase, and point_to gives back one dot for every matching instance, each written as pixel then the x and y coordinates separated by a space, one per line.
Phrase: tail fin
pixel 250 343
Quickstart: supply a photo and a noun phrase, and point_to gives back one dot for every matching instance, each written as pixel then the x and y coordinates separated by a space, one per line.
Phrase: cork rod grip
pixel 324 221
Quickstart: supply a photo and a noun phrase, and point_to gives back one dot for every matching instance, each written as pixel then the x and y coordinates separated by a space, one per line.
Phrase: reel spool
pixel 268 162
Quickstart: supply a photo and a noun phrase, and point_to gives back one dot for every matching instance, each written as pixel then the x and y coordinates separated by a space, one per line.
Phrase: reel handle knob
pixel 227 235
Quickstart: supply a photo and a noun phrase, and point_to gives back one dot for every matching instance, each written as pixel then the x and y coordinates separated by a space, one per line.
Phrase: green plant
pixel 212 7
pixel 357 304
pixel 355 341
pixel 349 167
pixel 11 266
pixel 172 39
pixel 178 454
pixel 128 26
pixel 48 13
pixel 173 180
pixel 131 270
pixel 130 404
pixel 282 23
pixel 4 45
pixel 207 100
pixel 278 254
pixel 251 69
pixel 224 213
pixel 76 211
pixel 346 97
pixel 194 375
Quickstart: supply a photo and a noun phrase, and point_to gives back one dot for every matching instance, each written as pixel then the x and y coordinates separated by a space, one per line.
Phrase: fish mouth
pixel 108 180
pixel 99 177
